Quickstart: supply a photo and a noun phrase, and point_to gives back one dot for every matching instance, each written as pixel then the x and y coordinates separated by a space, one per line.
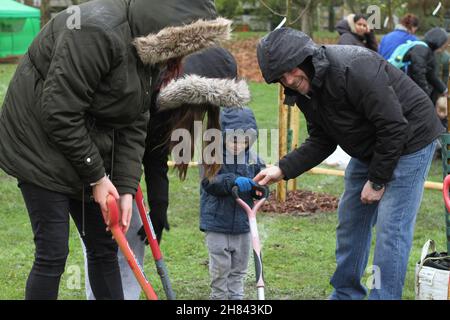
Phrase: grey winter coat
pixel 374 111
pixel 77 106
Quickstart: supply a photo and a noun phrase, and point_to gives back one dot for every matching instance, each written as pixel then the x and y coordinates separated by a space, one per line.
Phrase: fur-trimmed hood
pixel 174 42
pixel 209 77
pixel 346 25
pixel 197 90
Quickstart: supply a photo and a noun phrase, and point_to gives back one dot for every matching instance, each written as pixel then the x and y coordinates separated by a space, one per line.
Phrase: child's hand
pixel 244 184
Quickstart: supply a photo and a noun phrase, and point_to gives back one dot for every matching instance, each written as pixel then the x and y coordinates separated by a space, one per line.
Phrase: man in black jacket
pixel 353 98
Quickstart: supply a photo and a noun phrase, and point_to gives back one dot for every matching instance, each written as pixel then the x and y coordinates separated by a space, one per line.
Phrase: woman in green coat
pixel 74 122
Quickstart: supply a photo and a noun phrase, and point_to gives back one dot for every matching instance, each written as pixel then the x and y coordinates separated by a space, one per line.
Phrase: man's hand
pixel 441 107
pixel 369 196
pixel 126 210
pixel 269 176
pixel 100 191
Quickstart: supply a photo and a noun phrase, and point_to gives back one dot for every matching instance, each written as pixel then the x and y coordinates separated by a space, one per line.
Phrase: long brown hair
pixel 184 118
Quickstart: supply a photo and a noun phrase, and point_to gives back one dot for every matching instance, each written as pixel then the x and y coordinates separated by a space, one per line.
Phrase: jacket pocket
pixel 103 140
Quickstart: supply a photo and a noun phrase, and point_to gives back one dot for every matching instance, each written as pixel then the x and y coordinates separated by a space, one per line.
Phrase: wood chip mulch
pixel 301 203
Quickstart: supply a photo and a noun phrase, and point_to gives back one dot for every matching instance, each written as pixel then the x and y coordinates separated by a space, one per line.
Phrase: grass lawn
pixel 298 252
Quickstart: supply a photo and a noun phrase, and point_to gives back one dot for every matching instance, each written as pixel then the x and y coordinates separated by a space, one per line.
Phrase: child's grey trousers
pixel 228 261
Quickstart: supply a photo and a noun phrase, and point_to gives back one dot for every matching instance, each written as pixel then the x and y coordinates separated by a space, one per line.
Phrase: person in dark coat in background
pixel 422 67
pixel 442 65
pixel 226 225
pixel 355 31
pixel 354 98
pixel 405 31
pixel 442 72
pixel 74 121
pixel 156 170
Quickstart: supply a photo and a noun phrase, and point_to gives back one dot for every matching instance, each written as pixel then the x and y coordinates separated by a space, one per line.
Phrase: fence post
pixel 282 136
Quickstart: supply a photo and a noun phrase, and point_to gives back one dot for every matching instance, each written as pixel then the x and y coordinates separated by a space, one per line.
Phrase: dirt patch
pixel 245 53
pixel 301 203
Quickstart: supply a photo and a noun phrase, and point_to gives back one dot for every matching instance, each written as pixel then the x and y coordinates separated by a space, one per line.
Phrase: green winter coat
pixel 77 106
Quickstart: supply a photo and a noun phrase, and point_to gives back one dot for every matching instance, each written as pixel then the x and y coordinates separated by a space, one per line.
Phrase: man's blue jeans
pixel 393 216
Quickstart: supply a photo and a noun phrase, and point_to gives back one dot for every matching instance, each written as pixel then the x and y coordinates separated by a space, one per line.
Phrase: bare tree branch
pixel 271 10
pixel 308 4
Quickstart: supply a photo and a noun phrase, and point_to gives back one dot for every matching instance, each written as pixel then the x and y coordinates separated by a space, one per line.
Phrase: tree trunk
pixel 349 7
pixel 45 12
pixel 308 21
pixel 331 17
pixel 390 25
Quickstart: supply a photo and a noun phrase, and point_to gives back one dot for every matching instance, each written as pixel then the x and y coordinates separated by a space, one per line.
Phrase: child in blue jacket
pixel 221 218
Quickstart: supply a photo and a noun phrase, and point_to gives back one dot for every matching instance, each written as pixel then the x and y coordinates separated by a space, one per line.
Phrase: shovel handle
pixel 154 246
pixel 122 242
pixel 148 227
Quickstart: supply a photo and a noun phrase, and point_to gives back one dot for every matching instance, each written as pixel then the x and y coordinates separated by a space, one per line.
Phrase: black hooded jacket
pixel 374 111
pixel 423 63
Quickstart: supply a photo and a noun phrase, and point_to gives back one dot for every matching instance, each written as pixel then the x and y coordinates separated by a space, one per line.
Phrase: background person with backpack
pixel 442 72
pixel 417 59
pixel 403 32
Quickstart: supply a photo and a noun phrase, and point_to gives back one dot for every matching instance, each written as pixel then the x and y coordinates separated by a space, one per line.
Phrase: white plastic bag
pixel 431 283
pixel 338 158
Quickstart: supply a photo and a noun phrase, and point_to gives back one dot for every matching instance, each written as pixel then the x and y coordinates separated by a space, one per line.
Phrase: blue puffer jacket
pixel 392 40
pixel 219 212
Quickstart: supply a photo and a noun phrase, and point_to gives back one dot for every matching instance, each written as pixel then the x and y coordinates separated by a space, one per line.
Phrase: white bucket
pixel 431 283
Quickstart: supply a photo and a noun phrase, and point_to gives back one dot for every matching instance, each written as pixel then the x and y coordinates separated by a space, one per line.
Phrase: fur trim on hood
pixel 351 22
pixel 174 42
pixel 193 89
